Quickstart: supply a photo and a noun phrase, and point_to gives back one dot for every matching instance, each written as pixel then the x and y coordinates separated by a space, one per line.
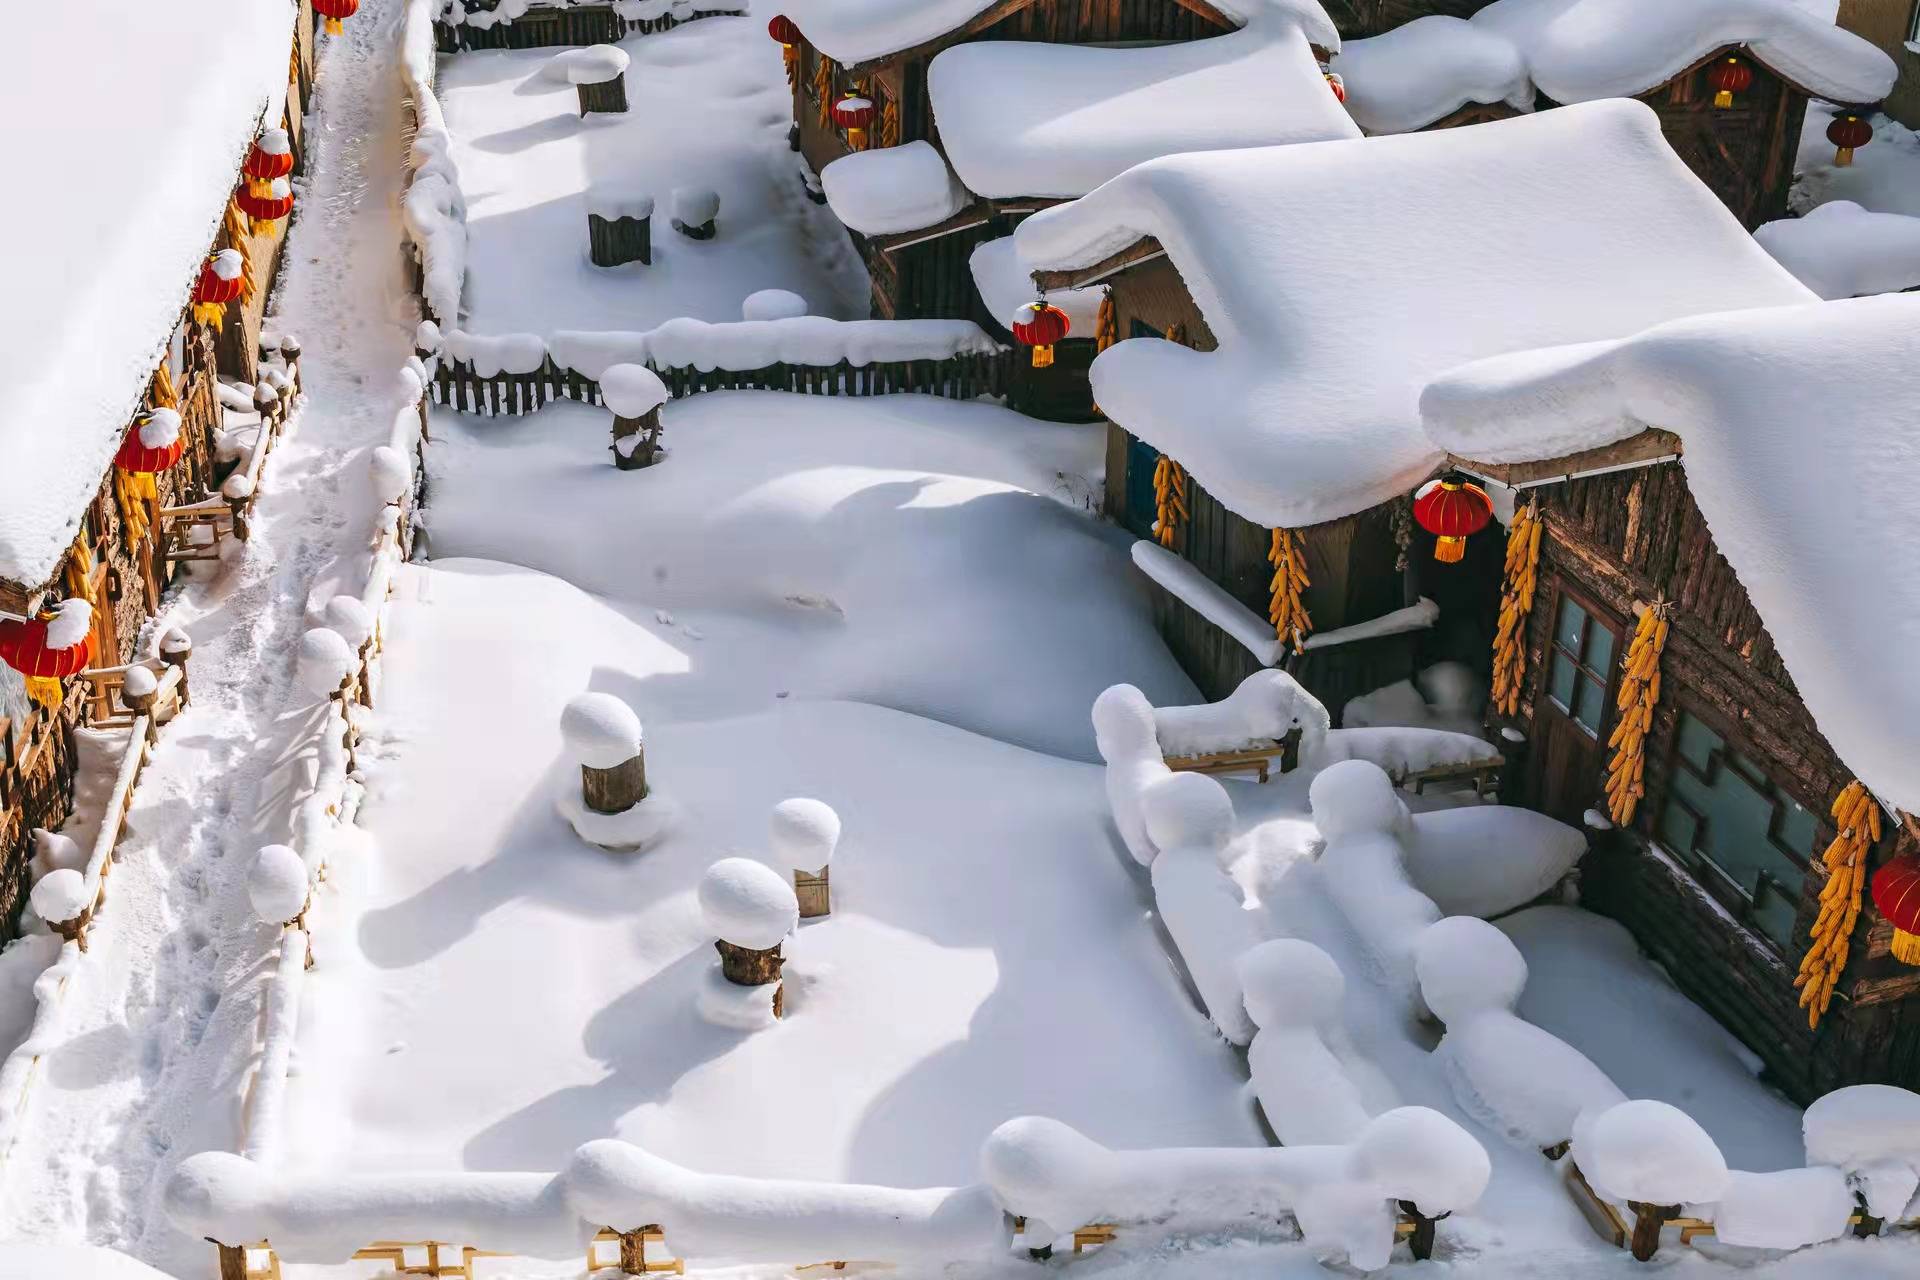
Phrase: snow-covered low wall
pixel 497 24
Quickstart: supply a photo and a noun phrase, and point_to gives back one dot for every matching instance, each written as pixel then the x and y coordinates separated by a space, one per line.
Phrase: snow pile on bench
pixel 1840 250
pixel 892 189
pixel 1650 1153
pixel 1262 709
pixel 1871 1132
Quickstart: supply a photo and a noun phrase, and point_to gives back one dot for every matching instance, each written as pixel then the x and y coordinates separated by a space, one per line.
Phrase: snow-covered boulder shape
pixel 350 619
pixel 1265 707
pixel 1486 860
pixel 60 896
pixel 1294 993
pixel 1650 1152
pixel 390 473
pixel 773 304
pixel 1356 797
pixel 803 834
pixel 1788 1209
pixel 1123 730
pixel 600 731
pixel 277 884
pixel 55 852
pixel 1189 818
pixel 748 904
pixel 1872 1133
pixel 632 390
pixel 1524 1083
pixel 326 661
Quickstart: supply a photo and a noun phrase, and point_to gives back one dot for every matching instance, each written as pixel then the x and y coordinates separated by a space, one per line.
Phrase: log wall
pixel 1744 152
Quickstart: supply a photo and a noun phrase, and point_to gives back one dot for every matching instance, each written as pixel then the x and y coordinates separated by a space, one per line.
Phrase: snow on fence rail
pixel 433 210
pixel 538 24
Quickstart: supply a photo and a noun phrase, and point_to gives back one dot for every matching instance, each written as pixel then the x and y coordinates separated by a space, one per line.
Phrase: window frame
pixel 1595 617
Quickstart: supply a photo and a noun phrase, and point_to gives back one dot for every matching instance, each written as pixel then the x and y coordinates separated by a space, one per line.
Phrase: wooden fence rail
pixel 543 28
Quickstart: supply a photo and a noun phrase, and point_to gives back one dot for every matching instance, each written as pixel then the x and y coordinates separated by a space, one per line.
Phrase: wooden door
pixel 1573 712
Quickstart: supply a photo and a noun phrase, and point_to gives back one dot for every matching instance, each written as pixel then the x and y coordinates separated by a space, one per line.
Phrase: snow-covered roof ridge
pixel 1299 259
pixel 1579 50
pixel 99 301
pixel 1021 118
pixel 1800 469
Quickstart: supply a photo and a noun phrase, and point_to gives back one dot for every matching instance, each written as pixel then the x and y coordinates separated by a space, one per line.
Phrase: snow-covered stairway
pixel 160 1026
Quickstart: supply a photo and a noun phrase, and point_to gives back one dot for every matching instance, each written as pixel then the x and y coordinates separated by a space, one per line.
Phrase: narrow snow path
pixel 162 1019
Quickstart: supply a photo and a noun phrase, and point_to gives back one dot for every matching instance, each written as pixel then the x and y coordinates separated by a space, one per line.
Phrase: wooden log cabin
pixel 113 335
pixel 972 126
pixel 1759 519
pixel 1273 340
pixel 1730 81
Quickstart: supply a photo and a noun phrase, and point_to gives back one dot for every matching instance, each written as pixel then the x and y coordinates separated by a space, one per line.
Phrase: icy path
pixel 161 1020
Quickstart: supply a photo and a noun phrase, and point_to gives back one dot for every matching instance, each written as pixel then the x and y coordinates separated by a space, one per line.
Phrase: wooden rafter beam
pixel 975 214
pixel 1649 446
pixel 1145 249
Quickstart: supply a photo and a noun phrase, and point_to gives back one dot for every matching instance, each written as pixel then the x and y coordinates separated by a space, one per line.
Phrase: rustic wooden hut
pixel 1729 81
pixel 1278 311
pixel 1757 524
pixel 112 345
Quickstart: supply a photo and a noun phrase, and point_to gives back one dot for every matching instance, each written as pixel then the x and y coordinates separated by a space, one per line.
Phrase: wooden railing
pixel 541 27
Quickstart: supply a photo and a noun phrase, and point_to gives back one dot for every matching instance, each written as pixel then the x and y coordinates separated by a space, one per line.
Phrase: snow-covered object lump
pixel 803 834
pixel 694 206
pixel 1190 818
pixel 1123 731
pixel 346 615
pixel 748 904
pixel 1262 709
pixel 1294 992
pixel 391 473
pixel 1841 250
pixel 632 390
pixel 60 896
pixel 1872 1131
pixel 892 189
pixel 773 304
pixel 594 64
pixel 600 731
pixel 1651 1152
pixel 1354 797
pixel 72 620
pixel 325 661
pixel 277 884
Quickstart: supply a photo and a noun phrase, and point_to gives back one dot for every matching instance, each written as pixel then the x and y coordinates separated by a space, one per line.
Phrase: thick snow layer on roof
pixel 1026 119
pixel 1579 50
pixel 1339 278
pixel 892 189
pixel 1006 285
pixel 1841 250
pixel 81 344
pixel 1800 461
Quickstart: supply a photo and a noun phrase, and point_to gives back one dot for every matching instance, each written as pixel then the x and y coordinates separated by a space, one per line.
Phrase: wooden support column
pixel 1647 1221
pixel 643 452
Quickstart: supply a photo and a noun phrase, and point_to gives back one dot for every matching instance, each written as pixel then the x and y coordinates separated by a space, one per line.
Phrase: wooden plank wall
pixel 1358 18
pixel 1744 152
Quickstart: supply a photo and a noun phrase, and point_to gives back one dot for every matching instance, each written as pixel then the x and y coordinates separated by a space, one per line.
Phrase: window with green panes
pixel 1726 820
pixel 1579 665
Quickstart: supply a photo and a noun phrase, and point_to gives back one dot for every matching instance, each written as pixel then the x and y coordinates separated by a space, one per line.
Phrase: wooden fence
pixel 456 385
pixel 541 28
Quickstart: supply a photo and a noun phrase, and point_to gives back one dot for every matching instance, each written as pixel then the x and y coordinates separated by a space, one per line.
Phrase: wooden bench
pixel 1256 759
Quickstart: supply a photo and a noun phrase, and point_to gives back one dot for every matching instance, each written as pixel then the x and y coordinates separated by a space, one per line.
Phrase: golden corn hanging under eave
pixel 1639 693
pixel 823 89
pixel 1516 606
pixel 1170 499
pixel 1287 610
pixel 1857 818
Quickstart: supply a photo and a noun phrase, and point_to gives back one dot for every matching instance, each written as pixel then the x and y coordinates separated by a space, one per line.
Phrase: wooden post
pixel 814 893
pixel 1647 1221
pixel 1868 1226
pixel 644 452
pixel 613 242
pixel 75 930
pixel 1421 1241
pixel 175 649
pixel 233 1261
pixel 608 97
pixel 618 789
pixel 747 968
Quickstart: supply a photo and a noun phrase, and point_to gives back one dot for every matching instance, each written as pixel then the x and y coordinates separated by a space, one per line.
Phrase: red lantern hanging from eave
pixel 222 279
pixel 48 649
pixel 783 29
pixel 1728 77
pixel 336 12
pixel 1848 132
pixel 154 443
pixel 270 157
pixel 1040 325
pixel 1896 895
pixel 267 207
pixel 854 113
pixel 1452 510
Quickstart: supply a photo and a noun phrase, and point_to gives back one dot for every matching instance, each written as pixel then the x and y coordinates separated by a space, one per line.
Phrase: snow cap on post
pixel 773 304
pixel 346 615
pixel 1872 1131
pixel 632 390
pixel 1467 966
pixel 695 206
pixel 1040 1167
pixel 277 884
pixel 139 682
pixel 1123 727
pixel 748 904
pixel 326 660
pixel 426 337
pixel 1651 1153
pixel 1356 797
pixel 803 834
pixel 60 896
pixel 1289 983
pixel 391 473
pixel 601 731
pixel 1188 810
pixel 1418 1155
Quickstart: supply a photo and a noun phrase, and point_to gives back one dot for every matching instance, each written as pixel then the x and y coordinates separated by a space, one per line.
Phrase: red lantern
pixel 222 279
pixel 336 12
pixel 1896 894
pixel 1848 133
pixel 270 157
pixel 153 444
pixel 268 206
pixel 1339 86
pixel 853 113
pixel 1039 325
pixel 1452 510
pixel 783 29
pixel 1728 77
pixel 48 649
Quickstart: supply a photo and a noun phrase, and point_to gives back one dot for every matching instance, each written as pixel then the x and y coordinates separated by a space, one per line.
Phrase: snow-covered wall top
pixel 1579 50
pixel 1026 119
pixel 1340 278
pixel 170 96
pixel 1801 464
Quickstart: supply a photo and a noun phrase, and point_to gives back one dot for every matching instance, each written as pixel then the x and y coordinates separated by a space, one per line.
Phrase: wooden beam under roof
pixel 980 211
pixel 999 12
pixel 1649 446
pixel 1145 249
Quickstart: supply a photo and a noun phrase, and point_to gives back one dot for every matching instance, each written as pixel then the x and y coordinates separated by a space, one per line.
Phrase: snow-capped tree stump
pixel 599 72
pixel 635 393
pixel 747 967
pixel 608 96
pixel 696 212
pixel 633 1248
pixel 603 733
pixel 804 834
pixel 614 241
pixel 751 908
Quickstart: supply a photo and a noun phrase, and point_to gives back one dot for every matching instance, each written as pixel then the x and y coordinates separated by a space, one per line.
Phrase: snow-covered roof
pixel 1579 50
pixel 1840 250
pixel 1020 118
pixel 892 189
pixel 1338 278
pixel 169 98
pixel 1006 285
pixel 1799 459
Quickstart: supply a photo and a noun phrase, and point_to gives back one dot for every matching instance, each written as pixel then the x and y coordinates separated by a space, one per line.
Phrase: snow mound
pixel 616 200
pixel 1411 76
pixel 1420 1155
pixel 277 884
pixel 1785 1210
pixel 1354 797
pixel 53 851
pixel 1291 983
pixel 803 834
pixel 1467 966
pixel 1188 810
pixel 594 64
pixel 893 189
pixel 1863 1124
pixel 773 304
pixel 60 896
pixel 631 390
pixel 728 1004
pixel 1650 1152
pixel 347 616
pixel 325 662
pixel 1486 860
pixel 391 474
pixel 1841 250
pixel 694 206
pixel 600 731
pixel 748 904
pixel 1123 730
pixel 1262 709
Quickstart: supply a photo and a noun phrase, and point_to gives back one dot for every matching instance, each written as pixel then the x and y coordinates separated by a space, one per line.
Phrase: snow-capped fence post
pixel 290 352
pixel 60 899
pixel 237 492
pixel 696 212
pixel 280 891
pixel 605 737
pixel 635 394
pixel 599 72
pixel 176 646
pixel 751 909
pixel 620 232
pixel 1653 1156
pixel 804 835
pixel 139 691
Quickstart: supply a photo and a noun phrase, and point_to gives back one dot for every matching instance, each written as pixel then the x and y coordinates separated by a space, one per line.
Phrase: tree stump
pixel 643 437
pixel 618 789
pixel 616 241
pixel 747 968
pixel 1647 1221
pixel 608 97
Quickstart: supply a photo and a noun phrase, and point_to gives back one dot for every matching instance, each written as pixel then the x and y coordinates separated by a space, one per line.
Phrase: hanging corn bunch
pixel 889 122
pixel 1858 820
pixel 1639 692
pixel 823 89
pixel 79 575
pixel 1516 605
pixel 160 391
pixel 238 229
pixel 1170 500
pixel 1106 325
pixel 1288 610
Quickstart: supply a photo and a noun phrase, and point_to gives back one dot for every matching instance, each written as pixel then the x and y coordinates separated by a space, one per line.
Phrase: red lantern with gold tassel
pixel 1040 325
pixel 267 207
pixel 222 279
pixel 336 12
pixel 154 444
pixel 854 113
pixel 1896 895
pixel 49 648
pixel 270 157
pixel 784 30
pixel 1335 82
pixel 1728 77
pixel 1452 510
pixel 1848 133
